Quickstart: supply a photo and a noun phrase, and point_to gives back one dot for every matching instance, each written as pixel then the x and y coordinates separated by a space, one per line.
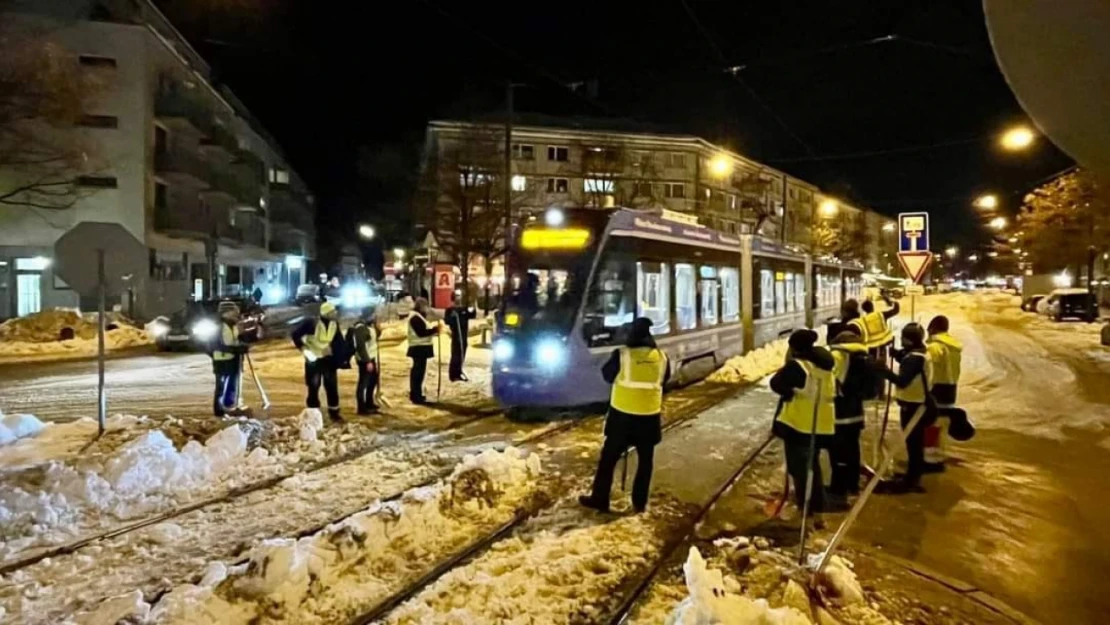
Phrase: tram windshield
pixel 547 291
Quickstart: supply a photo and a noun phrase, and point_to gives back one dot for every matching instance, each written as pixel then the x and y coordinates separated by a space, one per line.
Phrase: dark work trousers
pixel 364 392
pixel 844 455
pixel 315 374
pixel 227 392
pixel 797 456
pixel 915 443
pixel 416 378
pixel 610 455
pixel 458 354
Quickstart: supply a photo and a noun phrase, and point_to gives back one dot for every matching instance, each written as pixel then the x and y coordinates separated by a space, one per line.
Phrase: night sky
pixel 894 105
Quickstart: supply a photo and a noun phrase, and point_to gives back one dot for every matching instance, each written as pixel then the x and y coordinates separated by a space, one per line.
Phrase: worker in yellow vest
pixel 806 416
pixel 855 373
pixel 227 361
pixel 323 347
pixel 638 371
pixel 421 337
pixel 945 352
pixel 912 384
pixel 873 324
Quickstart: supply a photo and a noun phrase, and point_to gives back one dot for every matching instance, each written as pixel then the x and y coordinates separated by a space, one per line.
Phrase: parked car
pixel 308 294
pixel 193 327
pixel 1071 303
pixel 1030 303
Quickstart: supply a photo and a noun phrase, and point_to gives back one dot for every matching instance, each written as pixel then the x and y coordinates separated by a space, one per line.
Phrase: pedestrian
pixel 227 362
pixel 421 335
pixel 853 371
pixel 912 394
pixel 365 333
pixel 257 295
pixel 945 352
pixel 458 319
pixel 323 347
pixel 638 371
pixel 806 385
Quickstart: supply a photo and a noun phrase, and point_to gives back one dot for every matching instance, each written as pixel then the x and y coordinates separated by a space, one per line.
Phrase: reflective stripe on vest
pixel 915 392
pixel 876 331
pixel 946 361
pixel 819 391
pixel 638 388
pixel 322 336
pixel 414 339
pixel 229 337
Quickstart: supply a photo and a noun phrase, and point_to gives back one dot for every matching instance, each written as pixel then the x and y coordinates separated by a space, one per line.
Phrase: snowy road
pixel 1022 514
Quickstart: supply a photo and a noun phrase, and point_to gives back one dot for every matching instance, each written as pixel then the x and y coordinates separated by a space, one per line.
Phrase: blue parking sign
pixel 913 232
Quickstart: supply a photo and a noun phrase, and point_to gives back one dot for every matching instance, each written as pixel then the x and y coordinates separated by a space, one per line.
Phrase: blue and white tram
pixel 577 286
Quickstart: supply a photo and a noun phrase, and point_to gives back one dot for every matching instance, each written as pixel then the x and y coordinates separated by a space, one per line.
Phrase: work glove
pixel 370 366
pixel 309 355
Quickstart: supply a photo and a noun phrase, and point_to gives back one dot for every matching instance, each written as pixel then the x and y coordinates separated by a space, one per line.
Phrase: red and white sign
pixel 915 264
pixel 443 286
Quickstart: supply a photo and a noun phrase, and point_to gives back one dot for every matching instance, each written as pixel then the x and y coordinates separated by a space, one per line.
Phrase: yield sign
pixel 915 264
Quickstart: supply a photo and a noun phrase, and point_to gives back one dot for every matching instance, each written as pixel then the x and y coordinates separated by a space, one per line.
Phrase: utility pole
pixel 508 172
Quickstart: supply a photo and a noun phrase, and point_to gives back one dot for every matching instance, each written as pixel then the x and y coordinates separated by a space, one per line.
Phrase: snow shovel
pixel 379 396
pixel 811 459
pixel 258 384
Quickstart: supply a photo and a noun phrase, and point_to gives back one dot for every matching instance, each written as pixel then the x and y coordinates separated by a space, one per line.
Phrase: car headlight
pixel 275 293
pixel 503 350
pixel 158 329
pixel 205 329
pixel 550 353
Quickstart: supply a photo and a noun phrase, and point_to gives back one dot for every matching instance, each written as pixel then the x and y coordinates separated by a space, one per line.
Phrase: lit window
pixel 653 295
pixel 556 153
pixel 799 292
pixel 766 293
pixel 598 185
pixel 279 176
pixel 520 183
pixel 685 289
pixel 789 292
pixel 674 190
pixel 558 185
pixel 730 294
pixel 35 263
pixel 780 292
pixel 472 178
pixel 710 292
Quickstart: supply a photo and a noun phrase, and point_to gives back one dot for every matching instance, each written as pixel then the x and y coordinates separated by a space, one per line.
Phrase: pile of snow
pixel 345 568
pixel 59 441
pixel 753 365
pixel 47 326
pixel 309 423
pixel 119 338
pixel 840 578
pixel 716 600
pixel 17 426
pixel 144 475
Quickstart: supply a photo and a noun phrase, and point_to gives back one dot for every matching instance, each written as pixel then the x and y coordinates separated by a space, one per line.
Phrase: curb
pixel 958 586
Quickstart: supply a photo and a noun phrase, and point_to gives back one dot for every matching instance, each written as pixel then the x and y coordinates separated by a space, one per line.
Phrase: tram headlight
pixel 550 353
pixel 503 350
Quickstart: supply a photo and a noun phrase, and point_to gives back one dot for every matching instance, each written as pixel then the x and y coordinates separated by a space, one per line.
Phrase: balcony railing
pixel 181 164
pixel 289 208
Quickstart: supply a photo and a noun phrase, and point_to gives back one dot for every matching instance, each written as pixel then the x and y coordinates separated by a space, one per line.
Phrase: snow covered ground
pixel 37 336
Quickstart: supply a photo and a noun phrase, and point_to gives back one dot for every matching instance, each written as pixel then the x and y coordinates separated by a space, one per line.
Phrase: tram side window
pixel 799 292
pixel 686 296
pixel 789 287
pixel 730 294
pixel 653 295
pixel 780 292
pixel 710 295
pixel 766 292
pixel 611 304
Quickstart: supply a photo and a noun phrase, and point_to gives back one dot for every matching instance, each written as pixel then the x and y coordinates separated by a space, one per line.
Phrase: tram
pixel 579 278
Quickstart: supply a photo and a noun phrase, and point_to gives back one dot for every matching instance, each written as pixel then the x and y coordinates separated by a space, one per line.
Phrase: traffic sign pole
pixel 102 399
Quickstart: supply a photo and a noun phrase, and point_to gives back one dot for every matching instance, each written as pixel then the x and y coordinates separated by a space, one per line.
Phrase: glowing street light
pixel 987 201
pixel 720 165
pixel 1017 138
pixel 998 223
pixel 888 227
pixel 366 231
pixel 828 208
pixel 973 258
pixel 952 251
pixel 399 254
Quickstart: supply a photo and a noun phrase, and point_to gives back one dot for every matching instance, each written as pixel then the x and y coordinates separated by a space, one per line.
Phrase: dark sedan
pixel 196 325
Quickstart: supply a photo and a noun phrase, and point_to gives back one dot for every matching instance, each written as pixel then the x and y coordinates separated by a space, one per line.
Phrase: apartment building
pixel 176 159
pixel 570 165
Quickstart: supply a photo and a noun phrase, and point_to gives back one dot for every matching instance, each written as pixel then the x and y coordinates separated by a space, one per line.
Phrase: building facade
pixel 587 167
pixel 175 159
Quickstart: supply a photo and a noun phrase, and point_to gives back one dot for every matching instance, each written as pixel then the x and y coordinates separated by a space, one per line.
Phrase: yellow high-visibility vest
pixel 230 338
pixel 915 392
pixel 842 353
pixel 415 340
pixel 819 392
pixel 322 337
pixel 873 329
pixel 638 388
pixel 944 353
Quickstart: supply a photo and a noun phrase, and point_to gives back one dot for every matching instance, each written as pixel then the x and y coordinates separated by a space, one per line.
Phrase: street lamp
pixel 398 254
pixel 987 201
pixel 828 208
pixel 366 231
pixel 720 165
pixel 1017 138
pixel 973 258
pixel 998 223
pixel 952 251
